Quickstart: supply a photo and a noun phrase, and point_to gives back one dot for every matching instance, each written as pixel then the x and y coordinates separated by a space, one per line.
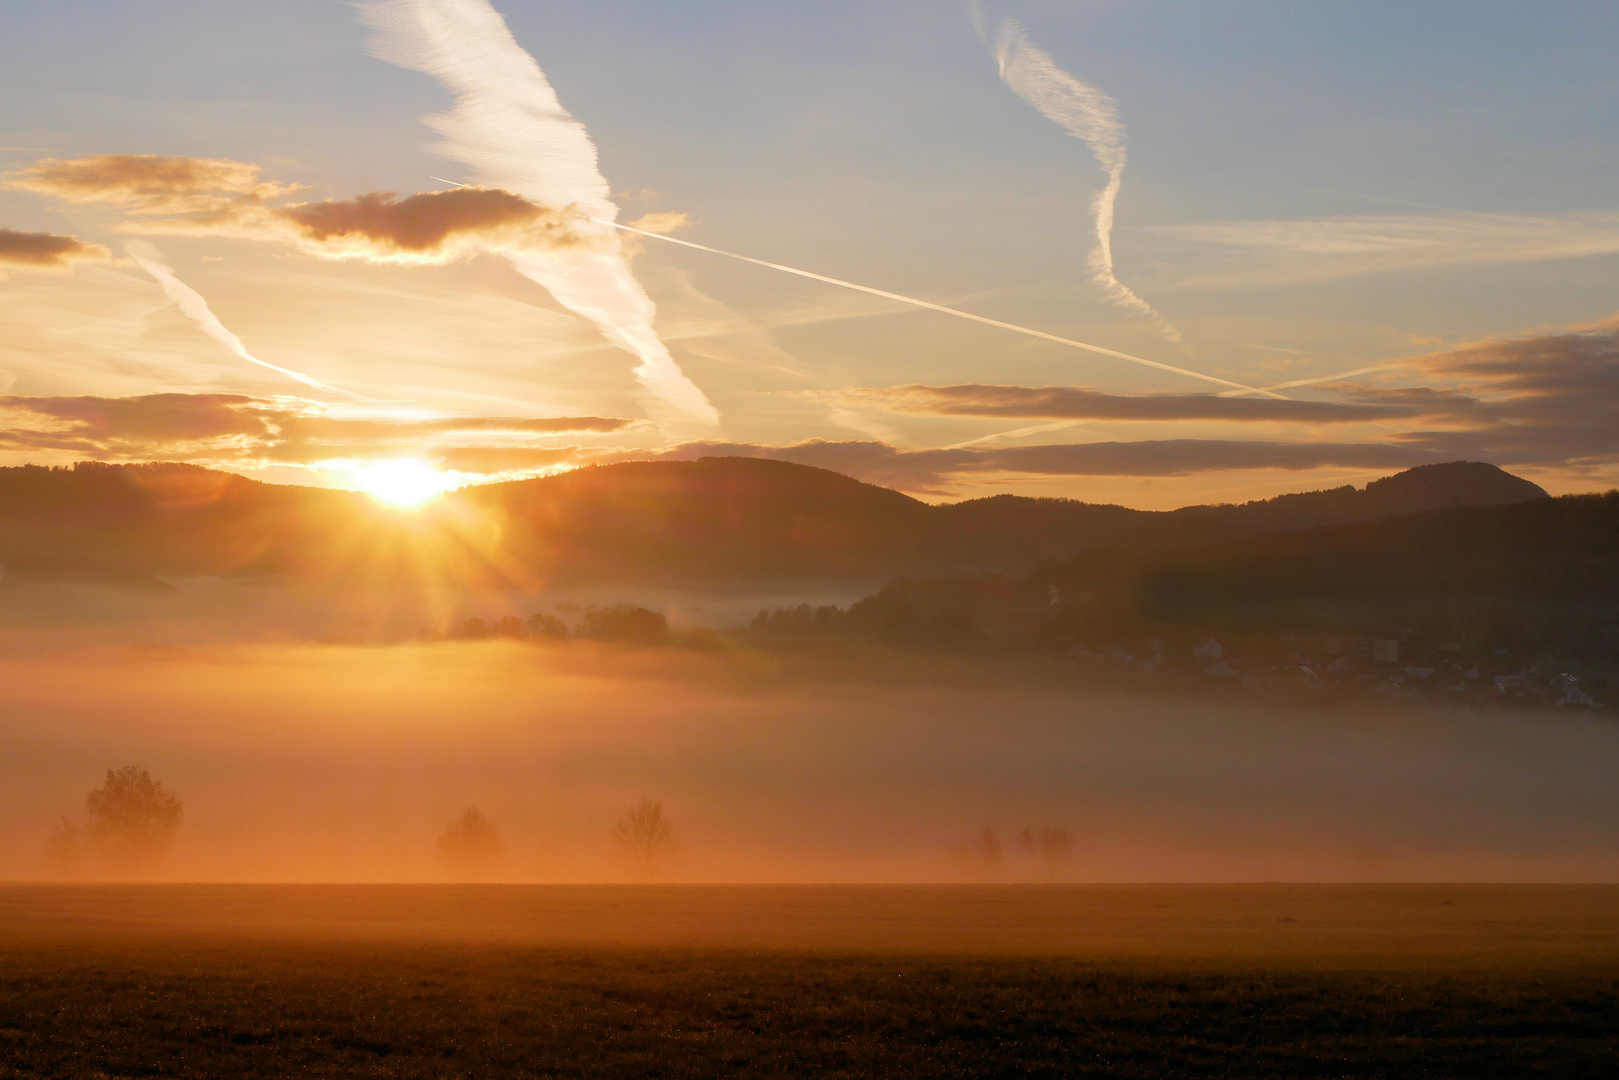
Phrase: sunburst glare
pixel 406 483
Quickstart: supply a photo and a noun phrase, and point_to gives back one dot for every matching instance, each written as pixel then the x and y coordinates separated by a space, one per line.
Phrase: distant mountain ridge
pixel 713 520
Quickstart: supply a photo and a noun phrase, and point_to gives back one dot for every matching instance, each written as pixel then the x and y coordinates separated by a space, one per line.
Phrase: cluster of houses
pixel 1399 667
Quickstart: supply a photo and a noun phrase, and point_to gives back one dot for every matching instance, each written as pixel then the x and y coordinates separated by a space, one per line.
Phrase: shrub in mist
pixel 471 845
pixel 645 835
pixel 129 825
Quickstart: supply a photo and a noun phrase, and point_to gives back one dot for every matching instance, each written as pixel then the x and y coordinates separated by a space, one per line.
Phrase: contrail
pixel 1017 433
pixel 1239 388
pixel 509 128
pixel 1089 115
pixel 957 312
pixel 1313 380
pixel 189 301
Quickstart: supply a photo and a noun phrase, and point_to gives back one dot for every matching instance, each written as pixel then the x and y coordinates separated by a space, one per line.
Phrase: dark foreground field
pixel 682 981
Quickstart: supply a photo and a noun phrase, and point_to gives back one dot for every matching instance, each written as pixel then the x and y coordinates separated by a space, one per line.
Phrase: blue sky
pixel 1310 188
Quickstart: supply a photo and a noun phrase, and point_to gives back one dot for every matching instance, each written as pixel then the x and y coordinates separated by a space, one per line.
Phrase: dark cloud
pixel 224 428
pixel 1551 400
pixel 1076 403
pixel 380 224
pixel 1181 457
pixel 45 250
pixel 931 471
pixel 220 197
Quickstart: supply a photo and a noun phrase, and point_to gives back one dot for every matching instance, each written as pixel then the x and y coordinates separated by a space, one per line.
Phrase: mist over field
pixel 342 763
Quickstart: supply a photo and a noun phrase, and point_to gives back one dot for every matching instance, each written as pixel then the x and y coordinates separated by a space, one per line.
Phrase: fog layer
pixel 346 763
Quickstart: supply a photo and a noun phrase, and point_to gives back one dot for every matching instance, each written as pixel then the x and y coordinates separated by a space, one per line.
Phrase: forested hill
pixel 718 521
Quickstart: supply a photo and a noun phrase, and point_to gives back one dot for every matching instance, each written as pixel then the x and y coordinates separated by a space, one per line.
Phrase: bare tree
pixel 981 851
pixel 1056 844
pixel 1029 842
pixel 65 850
pixel 1053 844
pixel 130 823
pixel 471 845
pixel 645 834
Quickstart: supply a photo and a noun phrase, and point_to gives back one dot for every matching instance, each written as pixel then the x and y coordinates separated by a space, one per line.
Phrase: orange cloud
pixel 1078 403
pixel 433 225
pixel 235 428
pixel 149 183
pixel 662 222
pixel 45 250
pixel 220 197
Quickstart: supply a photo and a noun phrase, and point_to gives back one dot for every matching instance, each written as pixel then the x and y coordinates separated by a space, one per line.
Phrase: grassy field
pixel 1157 982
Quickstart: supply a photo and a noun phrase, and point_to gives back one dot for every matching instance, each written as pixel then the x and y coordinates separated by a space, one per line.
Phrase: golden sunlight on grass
pixel 406 483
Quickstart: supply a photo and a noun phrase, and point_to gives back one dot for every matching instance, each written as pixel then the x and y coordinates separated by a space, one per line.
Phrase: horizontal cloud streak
pixel 218 197
pixel 1544 400
pixel 1074 403
pixel 932 470
pixel 1547 401
pixel 235 429
pixel 45 250
pixel 149 183
pixel 1275 251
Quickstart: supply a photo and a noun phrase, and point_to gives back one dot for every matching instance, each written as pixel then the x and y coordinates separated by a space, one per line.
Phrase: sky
pixel 199 260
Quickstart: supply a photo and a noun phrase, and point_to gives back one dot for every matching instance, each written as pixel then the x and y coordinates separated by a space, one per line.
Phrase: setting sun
pixel 407 483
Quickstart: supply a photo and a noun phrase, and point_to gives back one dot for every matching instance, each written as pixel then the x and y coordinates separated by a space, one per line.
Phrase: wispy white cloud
pixel 191 303
pixel 510 130
pixel 1089 115
pixel 1313 249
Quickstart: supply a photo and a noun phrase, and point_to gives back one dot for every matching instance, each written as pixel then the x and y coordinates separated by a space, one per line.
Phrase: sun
pixel 406 483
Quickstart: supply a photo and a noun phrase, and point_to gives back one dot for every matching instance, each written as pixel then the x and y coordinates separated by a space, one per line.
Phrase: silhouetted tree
pixel 547 626
pixel 645 834
pixel 471 846
pixel 625 622
pixel 510 626
pixel 1056 844
pixel 1053 844
pixel 65 850
pixel 130 824
pixel 981 851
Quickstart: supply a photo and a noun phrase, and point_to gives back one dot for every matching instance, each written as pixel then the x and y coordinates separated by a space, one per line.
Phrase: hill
pixel 715 521
pixel 1545 569
pixel 1514 604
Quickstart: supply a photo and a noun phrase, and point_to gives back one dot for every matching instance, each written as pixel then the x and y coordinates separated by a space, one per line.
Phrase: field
pixel 671 981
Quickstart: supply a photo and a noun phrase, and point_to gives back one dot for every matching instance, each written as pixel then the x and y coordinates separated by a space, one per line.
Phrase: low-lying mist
pixel 53 614
pixel 347 763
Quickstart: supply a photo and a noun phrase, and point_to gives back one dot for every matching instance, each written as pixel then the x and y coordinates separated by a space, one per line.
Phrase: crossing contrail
pixel 957 312
pixel 191 303
pixel 1392 365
